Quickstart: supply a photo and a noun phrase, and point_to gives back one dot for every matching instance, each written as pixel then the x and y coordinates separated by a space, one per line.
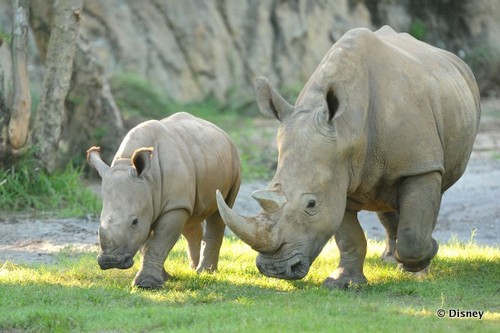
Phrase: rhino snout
pixel 293 268
pixel 107 261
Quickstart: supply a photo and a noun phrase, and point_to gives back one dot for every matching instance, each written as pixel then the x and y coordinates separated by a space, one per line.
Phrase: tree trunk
pixel 49 116
pixel 5 103
pixel 21 106
pixel 93 117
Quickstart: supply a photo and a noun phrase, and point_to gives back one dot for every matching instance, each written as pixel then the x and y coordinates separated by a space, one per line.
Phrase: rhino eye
pixel 135 223
pixel 311 204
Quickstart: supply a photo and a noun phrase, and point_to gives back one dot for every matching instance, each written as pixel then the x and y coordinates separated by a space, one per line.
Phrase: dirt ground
pixel 469 210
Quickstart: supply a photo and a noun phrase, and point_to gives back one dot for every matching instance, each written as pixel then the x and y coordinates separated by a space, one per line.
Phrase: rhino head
pixel 304 204
pixel 127 211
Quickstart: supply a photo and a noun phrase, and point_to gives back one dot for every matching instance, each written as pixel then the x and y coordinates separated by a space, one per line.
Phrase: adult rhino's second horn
pixel 249 229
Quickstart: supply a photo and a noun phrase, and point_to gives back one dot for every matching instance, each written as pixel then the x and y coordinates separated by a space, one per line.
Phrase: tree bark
pixel 93 117
pixel 49 116
pixel 41 21
pixel 21 104
pixel 5 102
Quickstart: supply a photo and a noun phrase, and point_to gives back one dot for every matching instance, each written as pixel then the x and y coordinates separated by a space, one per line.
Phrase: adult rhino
pixel 161 184
pixel 386 123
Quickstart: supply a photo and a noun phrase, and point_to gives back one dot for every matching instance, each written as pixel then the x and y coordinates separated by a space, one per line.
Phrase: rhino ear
pixel 270 102
pixel 332 104
pixel 141 160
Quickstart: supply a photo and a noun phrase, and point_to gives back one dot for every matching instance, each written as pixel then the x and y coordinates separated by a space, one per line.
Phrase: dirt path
pixel 471 208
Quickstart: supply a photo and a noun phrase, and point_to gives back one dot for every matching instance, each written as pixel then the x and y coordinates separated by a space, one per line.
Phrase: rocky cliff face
pixel 193 49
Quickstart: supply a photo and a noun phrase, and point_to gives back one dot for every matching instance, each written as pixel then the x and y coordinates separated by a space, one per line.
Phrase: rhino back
pixel 192 158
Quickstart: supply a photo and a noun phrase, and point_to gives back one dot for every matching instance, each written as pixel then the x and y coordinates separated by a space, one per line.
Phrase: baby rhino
pixel 162 184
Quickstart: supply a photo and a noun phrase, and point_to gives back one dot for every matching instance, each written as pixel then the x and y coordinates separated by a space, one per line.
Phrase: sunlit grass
pixel 75 295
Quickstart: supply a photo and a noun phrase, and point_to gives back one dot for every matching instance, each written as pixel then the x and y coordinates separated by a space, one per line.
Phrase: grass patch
pixel 75 295
pixel 26 186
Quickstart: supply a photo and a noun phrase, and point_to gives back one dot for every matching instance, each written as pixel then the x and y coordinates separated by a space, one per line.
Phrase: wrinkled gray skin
pixel 161 184
pixel 386 123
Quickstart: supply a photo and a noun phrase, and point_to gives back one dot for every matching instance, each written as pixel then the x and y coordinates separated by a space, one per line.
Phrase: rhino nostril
pixel 127 262
pixel 293 266
pixel 296 266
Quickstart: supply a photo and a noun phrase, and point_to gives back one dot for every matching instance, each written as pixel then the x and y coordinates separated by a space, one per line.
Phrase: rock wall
pixel 194 49
pixel 200 48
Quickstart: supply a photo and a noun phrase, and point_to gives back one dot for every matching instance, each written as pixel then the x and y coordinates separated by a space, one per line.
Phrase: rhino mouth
pixel 107 261
pixel 293 267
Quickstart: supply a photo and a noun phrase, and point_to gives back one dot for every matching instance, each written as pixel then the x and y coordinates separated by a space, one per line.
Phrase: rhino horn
pixel 95 161
pixel 255 231
pixel 270 201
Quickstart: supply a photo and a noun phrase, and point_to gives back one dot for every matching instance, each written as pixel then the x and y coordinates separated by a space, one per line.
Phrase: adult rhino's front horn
pixel 261 231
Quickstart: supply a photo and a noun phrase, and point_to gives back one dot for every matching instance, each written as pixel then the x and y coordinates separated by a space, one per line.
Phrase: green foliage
pixel 484 63
pixel 418 29
pixel 5 37
pixel 75 295
pixel 26 186
pixel 136 96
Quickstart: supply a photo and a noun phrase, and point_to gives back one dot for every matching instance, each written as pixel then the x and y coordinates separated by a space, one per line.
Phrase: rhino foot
pixel 388 257
pixel 144 281
pixel 341 279
pixel 208 269
pixel 419 274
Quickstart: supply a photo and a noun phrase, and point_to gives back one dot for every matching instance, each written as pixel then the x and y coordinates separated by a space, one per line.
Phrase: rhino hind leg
pixel 214 235
pixel 420 198
pixel 390 221
pixel 193 232
pixel 351 242
pixel 211 243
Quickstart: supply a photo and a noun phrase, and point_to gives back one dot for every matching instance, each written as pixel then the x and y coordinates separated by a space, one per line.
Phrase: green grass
pixel 75 295
pixel 26 186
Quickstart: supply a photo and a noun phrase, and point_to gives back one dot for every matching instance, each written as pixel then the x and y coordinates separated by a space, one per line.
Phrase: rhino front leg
pixel 166 232
pixel 390 221
pixel 420 198
pixel 212 241
pixel 351 242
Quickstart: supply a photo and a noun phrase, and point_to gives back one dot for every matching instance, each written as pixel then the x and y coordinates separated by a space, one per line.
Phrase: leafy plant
pixel 136 96
pixel 418 29
pixel 26 186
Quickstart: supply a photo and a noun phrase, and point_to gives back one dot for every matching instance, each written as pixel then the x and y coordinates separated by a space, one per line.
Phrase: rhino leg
pixel 420 198
pixel 390 221
pixel 210 246
pixel 166 232
pixel 214 235
pixel 351 242
pixel 193 232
